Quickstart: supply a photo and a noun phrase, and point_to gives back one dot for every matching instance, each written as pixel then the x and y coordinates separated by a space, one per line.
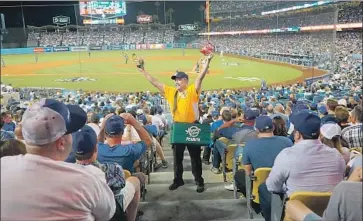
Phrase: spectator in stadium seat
pixel 112 129
pixel 12 147
pixel 44 183
pixel 330 107
pixel 5 135
pixel 342 116
pixel 93 121
pixel 214 126
pixel 152 130
pixel 279 126
pixel 247 131
pixel 353 134
pixel 279 110
pixel 330 136
pixel 227 130
pixel 260 152
pixel 126 192
pixel 344 204
pixel 8 125
pixel 296 168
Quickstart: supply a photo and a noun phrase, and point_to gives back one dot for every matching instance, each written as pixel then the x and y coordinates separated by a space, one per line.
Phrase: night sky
pixel 41 13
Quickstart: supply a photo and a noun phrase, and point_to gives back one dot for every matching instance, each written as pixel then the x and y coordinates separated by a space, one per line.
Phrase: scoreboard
pixel 102 9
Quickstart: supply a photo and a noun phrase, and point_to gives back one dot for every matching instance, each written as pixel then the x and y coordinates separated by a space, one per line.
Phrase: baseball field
pixel 107 71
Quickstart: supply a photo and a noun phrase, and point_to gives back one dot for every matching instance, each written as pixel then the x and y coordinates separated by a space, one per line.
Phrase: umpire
pixel 183 100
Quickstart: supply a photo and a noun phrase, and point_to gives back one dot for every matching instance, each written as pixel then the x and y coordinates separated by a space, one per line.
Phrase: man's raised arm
pixel 153 80
pixel 198 81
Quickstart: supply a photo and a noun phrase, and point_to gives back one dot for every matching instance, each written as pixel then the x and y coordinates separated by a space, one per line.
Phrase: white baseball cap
pixel 330 130
pixel 139 111
pixel 342 102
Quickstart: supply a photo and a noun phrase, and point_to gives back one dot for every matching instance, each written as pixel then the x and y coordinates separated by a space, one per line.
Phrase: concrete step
pixel 161 192
pixel 186 164
pixel 167 177
pixel 195 210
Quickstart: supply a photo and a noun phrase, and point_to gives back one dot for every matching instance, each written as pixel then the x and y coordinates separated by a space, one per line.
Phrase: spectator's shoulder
pixel 284 139
pixel 138 144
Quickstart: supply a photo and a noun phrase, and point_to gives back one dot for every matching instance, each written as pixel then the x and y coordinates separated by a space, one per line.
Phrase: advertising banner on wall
pixel 138 46
pixel 126 47
pixel 58 49
pixel 37 50
pixel 144 19
pixel 61 20
pixel 79 48
pixel 143 46
pixel 94 48
pixel 114 47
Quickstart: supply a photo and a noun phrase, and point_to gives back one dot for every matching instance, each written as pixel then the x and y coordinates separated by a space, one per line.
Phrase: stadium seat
pixel 127 174
pixel 316 201
pixel 358 149
pixel 236 162
pixel 226 142
pixel 252 183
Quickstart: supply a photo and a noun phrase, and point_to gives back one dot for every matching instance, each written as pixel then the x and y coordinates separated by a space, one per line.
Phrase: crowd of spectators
pixel 99 38
pixel 319 16
pixel 84 142
pixel 254 117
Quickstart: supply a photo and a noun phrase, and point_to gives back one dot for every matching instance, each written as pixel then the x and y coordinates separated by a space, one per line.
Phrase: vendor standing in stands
pixel 184 110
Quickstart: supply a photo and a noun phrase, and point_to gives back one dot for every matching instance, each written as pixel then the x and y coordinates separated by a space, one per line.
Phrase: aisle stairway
pixel 185 204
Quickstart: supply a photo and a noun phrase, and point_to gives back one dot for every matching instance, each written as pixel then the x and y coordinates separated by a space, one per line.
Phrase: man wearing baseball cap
pixel 40 183
pixel 247 131
pixel 113 151
pixel 260 152
pixel 183 100
pixel 126 192
pixel 309 165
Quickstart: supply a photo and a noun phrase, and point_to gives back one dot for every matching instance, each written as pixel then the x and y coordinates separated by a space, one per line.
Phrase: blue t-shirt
pixel 124 155
pixel 227 132
pixel 9 126
pixel 152 130
pixel 215 125
pixel 262 152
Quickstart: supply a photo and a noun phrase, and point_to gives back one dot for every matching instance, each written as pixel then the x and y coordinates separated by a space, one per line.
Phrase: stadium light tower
pixel 3 30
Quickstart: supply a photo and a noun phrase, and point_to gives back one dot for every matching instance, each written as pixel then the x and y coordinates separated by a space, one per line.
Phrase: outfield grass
pixel 113 75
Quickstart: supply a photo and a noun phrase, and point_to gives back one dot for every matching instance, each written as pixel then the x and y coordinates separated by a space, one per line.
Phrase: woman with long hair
pixel 330 136
pixel 279 126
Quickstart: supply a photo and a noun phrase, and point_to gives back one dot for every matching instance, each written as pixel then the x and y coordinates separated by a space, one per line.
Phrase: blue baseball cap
pixel 322 110
pixel 313 106
pixel 301 106
pixel 251 114
pixel 84 141
pixel 114 125
pixel 47 120
pixel 306 122
pixel 215 113
pixel 142 118
pixel 179 74
pixel 263 123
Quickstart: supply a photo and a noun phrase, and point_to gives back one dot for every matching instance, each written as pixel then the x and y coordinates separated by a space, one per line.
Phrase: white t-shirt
pixel 38 188
pixel 95 127
pixel 155 120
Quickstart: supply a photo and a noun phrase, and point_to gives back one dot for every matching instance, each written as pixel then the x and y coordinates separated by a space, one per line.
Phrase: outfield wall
pixel 15 51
